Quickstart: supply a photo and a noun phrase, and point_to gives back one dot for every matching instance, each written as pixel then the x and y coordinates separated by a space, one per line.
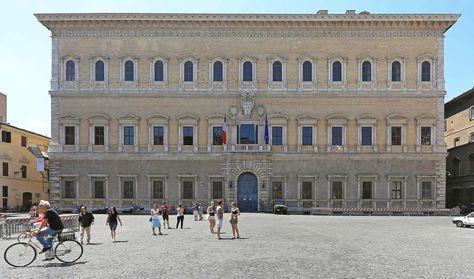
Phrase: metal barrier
pixel 385 211
pixel 17 225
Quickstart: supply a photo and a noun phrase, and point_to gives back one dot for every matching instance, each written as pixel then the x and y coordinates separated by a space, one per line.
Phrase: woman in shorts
pixel 211 216
pixel 235 212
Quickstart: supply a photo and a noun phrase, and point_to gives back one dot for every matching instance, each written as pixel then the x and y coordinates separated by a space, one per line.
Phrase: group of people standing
pixel 215 215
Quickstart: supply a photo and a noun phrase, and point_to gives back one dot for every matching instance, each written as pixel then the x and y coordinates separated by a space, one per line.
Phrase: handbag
pixel 149 220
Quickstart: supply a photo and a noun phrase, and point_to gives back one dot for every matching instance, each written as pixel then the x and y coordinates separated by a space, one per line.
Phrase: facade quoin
pixel 323 110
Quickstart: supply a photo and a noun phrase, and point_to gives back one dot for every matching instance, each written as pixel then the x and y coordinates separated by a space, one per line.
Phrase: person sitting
pixel 53 223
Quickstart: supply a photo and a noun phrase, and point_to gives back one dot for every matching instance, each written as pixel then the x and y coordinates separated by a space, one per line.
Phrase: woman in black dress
pixel 112 222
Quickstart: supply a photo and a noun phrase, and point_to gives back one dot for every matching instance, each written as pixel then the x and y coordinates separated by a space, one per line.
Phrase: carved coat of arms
pixel 247 101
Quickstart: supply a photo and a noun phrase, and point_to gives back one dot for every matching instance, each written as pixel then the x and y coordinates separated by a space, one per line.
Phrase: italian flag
pixel 224 131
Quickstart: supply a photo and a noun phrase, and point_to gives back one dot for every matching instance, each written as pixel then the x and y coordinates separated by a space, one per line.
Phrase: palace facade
pixel 322 110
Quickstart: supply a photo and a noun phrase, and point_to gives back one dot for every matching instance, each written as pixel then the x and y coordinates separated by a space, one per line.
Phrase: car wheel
pixel 459 224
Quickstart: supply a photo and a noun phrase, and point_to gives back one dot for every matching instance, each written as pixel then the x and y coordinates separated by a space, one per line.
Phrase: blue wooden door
pixel 247 192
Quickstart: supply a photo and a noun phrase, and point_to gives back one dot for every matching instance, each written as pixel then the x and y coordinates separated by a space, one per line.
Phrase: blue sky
pixel 25 45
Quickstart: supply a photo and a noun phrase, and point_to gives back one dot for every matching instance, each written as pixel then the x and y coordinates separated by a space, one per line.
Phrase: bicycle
pixel 22 254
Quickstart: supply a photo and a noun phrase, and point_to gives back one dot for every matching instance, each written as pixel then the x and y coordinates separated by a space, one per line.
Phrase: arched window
pixel 70 70
pixel 307 71
pixel 218 71
pixel 396 71
pixel 336 71
pixel 188 71
pixel 159 74
pixel 247 71
pixel 366 71
pixel 129 71
pixel 425 71
pixel 277 71
pixel 99 71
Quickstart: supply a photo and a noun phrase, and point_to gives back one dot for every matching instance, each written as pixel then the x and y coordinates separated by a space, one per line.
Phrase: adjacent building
pixel 459 137
pixel 323 110
pixel 3 108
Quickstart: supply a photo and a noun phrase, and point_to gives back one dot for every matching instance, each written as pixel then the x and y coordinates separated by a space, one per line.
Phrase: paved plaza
pixel 271 247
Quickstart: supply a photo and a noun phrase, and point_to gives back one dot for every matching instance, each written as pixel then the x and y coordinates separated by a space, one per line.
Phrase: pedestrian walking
pixel 86 219
pixel 195 211
pixel 211 216
pixel 262 205
pixel 180 216
pixel 200 211
pixel 165 210
pixel 235 212
pixel 219 218
pixel 155 219
pixel 112 222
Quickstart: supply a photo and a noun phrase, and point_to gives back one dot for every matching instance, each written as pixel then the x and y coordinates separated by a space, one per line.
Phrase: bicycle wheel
pixel 20 254
pixel 68 251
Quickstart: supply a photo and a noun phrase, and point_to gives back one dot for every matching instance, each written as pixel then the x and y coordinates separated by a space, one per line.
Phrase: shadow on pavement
pixel 120 241
pixel 93 243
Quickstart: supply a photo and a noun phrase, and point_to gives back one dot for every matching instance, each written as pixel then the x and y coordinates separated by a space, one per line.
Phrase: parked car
pixel 464 221
pixel 100 210
pixel 280 206
pixel 466 208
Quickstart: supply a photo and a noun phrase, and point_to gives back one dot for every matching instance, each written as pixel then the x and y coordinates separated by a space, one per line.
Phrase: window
pixel 307 190
pixel 247 71
pixel 366 135
pixel 336 71
pixel 217 192
pixel 396 71
pixel 24 172
pixel 99 135
pixel 367 190
pixel 307 138
pixel 471 113
pixel 456 167
pixel 70 70
pixel 471 163
pixel 5 197
pixel 456 142
pixel 128 135
pixel 277 135
pixel 188 192
pixel 188 136
pixel 396 135
pixel 218 71
pixel 69 135
pixel 99 189
pixel 471 137
pixel 396 190
pixel 336 135
pixel 366 71
pixel 99 71
pixel 69 191
pixel 158 135
pixel 426 191
pixel 425 71
pixel 426 135
pixel 158 189
pixel 277 190
pixel 159 71
pixel 6 137
pixel 247 134
pixel 336 190
pixel 307 71
pixel 5 168
pixel 188 71
pixel 128 189
pixel 277 71
pixel 23 141
pixel 217 135
pixel 129 71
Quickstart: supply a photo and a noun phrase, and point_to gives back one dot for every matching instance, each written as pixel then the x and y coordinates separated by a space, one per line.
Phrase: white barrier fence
pixel 10 226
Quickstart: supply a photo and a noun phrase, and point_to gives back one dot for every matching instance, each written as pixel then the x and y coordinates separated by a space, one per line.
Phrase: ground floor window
pixel 426 189
pixel 277 190
pixel 69 189
pixel 99 189
pixel 396 191
pixel 128 189
pixel 307 190
pixel 367 190
pixel 188 192
pixel 336 190
pixel 158 189
pixel 217 190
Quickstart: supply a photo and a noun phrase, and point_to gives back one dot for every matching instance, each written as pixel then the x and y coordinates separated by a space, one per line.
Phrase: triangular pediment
pixel 187 116
pixel 128 116
pixel 157 116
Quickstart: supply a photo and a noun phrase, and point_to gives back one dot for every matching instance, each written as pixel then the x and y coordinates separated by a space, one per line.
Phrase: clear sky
pixel 25 45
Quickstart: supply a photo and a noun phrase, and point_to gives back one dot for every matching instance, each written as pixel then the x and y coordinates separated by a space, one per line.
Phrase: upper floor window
pixel 69 135
pixel 366 135
pixel 307 71
pixel 471 113
pixel 129 71
pixel 336 135
pixel 159 71
pixel 217 135
pixel 247 71
pixel 396 135
pixel 23 141
pixel 5 169
pixel 426 135
pixel 396 71
pixel 247 134
pixel 70 70
pixel 24 172
pixel 366 71
pixel 99 71
pixel 277 71
pixel 6 137
pixel 336 71
pixel 158 135
pixel 128 135
pixel 277 135
pixel 188 133
pixel 425 71
pixel 218 71
pixel 99 135
pixel 188 71
pixel 307 138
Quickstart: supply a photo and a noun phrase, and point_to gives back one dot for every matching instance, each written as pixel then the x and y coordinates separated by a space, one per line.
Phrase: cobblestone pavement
pixel 271 247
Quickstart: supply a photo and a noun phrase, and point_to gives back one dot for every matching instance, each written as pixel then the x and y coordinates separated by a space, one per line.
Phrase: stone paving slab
pixel 273 246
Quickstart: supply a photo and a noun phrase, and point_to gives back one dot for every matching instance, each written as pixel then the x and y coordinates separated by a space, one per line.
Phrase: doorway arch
pixel 247 192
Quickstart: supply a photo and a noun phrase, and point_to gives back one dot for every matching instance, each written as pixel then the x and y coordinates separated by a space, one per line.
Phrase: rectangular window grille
pixel 217 135
pixel 217 192
pixel 396 134
pixel 69 135
pixel 128 189
pixel 366 135
pixel 307 135
pixel 367 190
pixel 396 193
pixel 158 135
pixel 277 190
pixel 426 135
pixel 99 135
pixel 307 190
pixel 158 191
pixel 128 135
pixel 69 191
pixel 99 189
pixel 188 136
pixel 188 192
pixel 277 135
pixel 336 191
pixel 426 191
pixel 336 135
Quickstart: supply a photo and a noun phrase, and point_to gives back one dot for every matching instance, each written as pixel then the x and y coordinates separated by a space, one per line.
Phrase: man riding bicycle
pixel 55 225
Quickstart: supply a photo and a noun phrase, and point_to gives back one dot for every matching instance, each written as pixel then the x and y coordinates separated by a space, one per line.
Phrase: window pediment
pixel 336 119
pixel 426 119
pixel 366 119
pixel 396 118
pixel 69 119
pixel 188 118
pixel 99 116
pixel 307 119
pixel 128 116
pixel 216 118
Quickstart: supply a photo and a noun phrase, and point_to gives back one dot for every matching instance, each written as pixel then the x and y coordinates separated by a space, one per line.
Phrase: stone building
pixel 3 108
pixel 323 110
pixel 459 135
